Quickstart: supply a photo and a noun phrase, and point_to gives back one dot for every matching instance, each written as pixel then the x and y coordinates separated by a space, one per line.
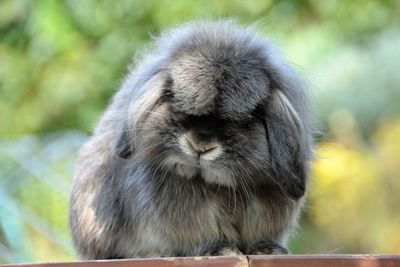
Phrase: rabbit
pixel 204 150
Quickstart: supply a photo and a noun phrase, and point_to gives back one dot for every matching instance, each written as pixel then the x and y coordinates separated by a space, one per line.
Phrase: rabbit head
pixel 222 106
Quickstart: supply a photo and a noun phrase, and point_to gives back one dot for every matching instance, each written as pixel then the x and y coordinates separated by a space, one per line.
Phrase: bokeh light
pixel 61 61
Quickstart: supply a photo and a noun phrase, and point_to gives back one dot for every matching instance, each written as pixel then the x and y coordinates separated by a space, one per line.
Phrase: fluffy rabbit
pixel 204 150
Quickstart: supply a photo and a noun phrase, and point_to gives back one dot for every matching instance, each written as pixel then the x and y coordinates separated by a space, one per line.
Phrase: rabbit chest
pixel 181 216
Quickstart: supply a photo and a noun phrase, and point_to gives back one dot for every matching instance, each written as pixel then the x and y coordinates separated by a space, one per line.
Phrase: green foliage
pixel 60 62
pixel 35 180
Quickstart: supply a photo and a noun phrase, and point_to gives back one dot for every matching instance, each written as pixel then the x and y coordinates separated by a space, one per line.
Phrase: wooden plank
pixel 237 261
pixel 240 261
pixel 363 260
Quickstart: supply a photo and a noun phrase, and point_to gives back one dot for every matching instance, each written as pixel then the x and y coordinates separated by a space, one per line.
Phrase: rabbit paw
pixel 268 248
pixel 223 251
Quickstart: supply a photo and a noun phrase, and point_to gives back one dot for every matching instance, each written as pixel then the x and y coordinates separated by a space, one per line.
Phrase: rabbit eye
pixel 167 94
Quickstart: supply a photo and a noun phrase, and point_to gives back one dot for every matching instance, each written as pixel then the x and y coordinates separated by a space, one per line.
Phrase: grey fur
pixel 140 190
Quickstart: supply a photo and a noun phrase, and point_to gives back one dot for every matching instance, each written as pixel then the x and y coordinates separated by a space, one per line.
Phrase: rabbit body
pixel 204 150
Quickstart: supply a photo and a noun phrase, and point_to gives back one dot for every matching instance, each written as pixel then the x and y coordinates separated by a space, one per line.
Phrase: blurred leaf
pixel 61 61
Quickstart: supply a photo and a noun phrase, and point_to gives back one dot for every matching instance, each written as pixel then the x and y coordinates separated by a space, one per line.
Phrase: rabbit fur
pixel 204 150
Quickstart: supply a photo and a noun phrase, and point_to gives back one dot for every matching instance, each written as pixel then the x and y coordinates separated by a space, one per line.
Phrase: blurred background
pixel 61 61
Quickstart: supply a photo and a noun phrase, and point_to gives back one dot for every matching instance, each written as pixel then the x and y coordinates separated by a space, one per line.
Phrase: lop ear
pixel 288 144
pixel 144 98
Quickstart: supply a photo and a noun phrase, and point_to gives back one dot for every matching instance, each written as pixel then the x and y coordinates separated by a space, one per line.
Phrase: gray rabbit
pixel 204 150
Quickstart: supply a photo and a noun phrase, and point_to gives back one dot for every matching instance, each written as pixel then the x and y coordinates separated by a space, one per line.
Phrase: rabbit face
pixel 207 121
pixel 217 149
pixel 223 110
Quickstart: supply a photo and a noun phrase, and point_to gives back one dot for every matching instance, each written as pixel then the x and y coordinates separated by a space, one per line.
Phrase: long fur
pixel 141 189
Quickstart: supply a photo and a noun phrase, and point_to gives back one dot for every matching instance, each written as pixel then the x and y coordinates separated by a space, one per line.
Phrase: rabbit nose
pixel 205 151
pixel 201 147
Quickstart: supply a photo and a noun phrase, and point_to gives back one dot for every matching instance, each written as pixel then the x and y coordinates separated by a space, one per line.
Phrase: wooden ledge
pixel 363 260
pixel 239 261
pixel 350 260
